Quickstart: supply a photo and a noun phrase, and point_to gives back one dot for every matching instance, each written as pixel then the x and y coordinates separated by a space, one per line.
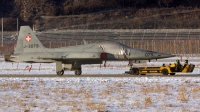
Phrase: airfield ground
pixel 97 93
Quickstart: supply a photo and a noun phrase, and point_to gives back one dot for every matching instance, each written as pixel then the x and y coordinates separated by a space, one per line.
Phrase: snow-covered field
pixel 126 94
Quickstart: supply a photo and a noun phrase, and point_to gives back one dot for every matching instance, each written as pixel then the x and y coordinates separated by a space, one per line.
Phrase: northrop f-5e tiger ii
pixel 29 49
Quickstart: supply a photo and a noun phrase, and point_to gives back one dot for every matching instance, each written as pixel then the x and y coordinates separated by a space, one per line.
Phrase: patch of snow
pixel 103 94
pixel 97 93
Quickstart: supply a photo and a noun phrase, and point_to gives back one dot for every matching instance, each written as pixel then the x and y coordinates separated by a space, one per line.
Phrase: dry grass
pixel 69 91
pixel 63 90
pixel 22 104
pixel 36 97
pixel 27 110
pixel 63 103
pixel 32 104
pixel 158 89
pixel 107 92
pixel 15 85
pixel 184 109
pixel 148 101
pixel 136 103
pixel 96 106
pixel 91 105
pixel 196 89
pixel 88 95
pixel 42 83
pixel 119 91
pixel 3 86
pixel 182 89
pixel 26 85
pixel 196 96
pixel 182 97
pixel 168 105
pixel 119 85
pixel 18 100
pixel 55 90
pixel 75 108
pixel 101 105
pixel 69 103
pixel 147 90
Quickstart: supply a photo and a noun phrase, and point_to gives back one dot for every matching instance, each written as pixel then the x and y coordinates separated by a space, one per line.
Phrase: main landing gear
pixel 77 72
pixel 60 70
pixel 60 73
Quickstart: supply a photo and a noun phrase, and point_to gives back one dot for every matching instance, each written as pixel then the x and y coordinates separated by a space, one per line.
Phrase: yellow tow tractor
pixel 171 69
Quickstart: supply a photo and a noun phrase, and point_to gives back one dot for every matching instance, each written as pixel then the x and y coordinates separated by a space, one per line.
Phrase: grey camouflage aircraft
pixel 29 49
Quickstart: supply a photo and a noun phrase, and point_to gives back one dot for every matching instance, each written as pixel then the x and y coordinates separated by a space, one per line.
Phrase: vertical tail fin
pixel 27 41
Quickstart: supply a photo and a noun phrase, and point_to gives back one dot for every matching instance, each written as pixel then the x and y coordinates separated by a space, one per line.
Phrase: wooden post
pixel 2 32
pixel 198 47
pixel 189 45
pixel 49 44
pixel 174 47
pixel 163 44
pixel 183 47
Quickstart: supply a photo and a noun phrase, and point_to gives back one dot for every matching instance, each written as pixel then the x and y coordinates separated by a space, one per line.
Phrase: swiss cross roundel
pixel 28 38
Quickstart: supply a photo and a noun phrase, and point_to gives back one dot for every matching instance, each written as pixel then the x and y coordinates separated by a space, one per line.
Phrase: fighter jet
pixel 29 49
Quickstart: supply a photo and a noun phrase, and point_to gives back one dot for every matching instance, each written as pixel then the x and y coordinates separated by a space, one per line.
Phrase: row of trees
pixel 30 11
pixel 63 7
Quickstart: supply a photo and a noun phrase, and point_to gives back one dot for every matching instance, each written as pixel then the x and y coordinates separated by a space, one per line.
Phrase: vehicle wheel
pixel 172 73
pixel 165 72
pixel 60 73
pixel 135 71
pixel 78 72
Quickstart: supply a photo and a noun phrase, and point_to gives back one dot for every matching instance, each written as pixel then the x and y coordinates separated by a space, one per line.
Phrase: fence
pixel 174 41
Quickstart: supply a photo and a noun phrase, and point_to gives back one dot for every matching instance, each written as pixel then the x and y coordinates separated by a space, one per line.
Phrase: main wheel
pixel 60 73
pixel 165 72
pixel 135 71
pixel 78 72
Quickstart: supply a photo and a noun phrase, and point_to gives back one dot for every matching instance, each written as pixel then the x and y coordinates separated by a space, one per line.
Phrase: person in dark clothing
pixel 186 61
pixel 163 65
pixel 178 67
pixel 185 64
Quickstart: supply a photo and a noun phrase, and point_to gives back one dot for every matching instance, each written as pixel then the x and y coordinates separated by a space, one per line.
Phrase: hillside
pixel 100 14
pixel 151 18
